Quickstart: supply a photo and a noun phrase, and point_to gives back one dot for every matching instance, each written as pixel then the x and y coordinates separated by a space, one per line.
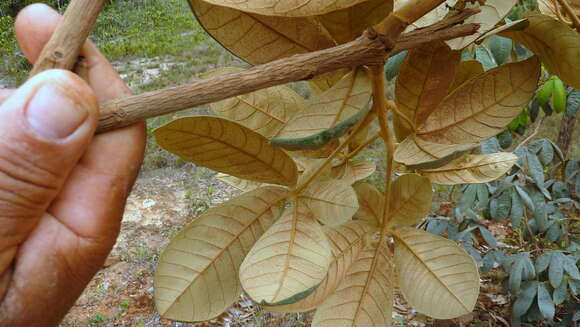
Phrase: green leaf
pixel 515 279
pixel 394 64
pixel 535 168
pixel 547 308
pixel 488 237
pixel 541 217
pixel 571 268
pixel 489 146
pixel 517 210
pixel 525 298
pixel 500 207
pixel 546 153
pixel 561 293
pixel 483 55
pixel 468 197
pixel 554 232
pixel 573 102
pixel 576 316
pixel 556 271
pixel 543 261
pixel 482 195
pixel 525 197
pixel 500 47
pixel 505 139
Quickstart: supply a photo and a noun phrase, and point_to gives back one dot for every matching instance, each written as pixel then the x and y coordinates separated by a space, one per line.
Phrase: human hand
pixel 62 190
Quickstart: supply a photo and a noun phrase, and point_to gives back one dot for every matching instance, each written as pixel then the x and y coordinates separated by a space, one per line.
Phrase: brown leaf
pixel 555 43
pixel 264 111
pixel 333 202
pixel 353 170
pixel 472 169
pixel 410 200
pixel 197 273
pixel 416 153
pixel 370 203
pixel 364 297
pixel 347 24
pixel 288 261
pixel 483 106
pixel 423 82
pixel 227 147
pixel 347 242
pixel 338 103
pixel 465 71
pixel 260 39
pixel 289 8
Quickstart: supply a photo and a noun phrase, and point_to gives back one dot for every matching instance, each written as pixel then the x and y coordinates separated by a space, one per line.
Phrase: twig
pixel 570 12
pixel 359 148
pixel 534 133
pixel 65 44
pixel 369 49
pixel 380 106
pixel 362 124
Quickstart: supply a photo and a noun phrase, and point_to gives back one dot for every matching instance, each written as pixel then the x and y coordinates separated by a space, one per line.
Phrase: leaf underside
pixel 436 276
pixel 483 106
pixel 227 147
pixel 288 261
pixel 197 273
pixel 472 169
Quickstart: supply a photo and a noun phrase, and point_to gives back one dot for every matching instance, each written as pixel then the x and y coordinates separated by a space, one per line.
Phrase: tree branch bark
pixel 64 46
pixel 371 48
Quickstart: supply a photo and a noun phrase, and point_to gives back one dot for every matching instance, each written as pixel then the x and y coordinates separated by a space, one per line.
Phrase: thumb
pixel 45 127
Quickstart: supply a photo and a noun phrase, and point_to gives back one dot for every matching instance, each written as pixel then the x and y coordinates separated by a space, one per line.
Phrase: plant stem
pixel 380 106
pixel 360 148
pixel 570 12
pixel 64 46
pixel 362 124
pixel 391 105
pixel 369 49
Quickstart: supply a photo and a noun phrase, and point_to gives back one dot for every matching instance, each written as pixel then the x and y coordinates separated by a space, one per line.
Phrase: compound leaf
pixel 555 43
pixel 197 273
pixel 238 183
pixel 347 24
pixel 410 200
pixel 547 307
pixel 483 106
pixel 347 242
pixel 556 270
pixel 525 298
pixel 288 8
pixel 264 111
pixel 288 261
pixel 353 170
pixel 333 202
pixel 227 147
pixel 472 169
pixel 370 203
pixel 365 295
pixel 416 153
pixel 466 70
pixel 428 264
pixel 351 94
pixel 259 39
pixel 492 12
pixel 423 81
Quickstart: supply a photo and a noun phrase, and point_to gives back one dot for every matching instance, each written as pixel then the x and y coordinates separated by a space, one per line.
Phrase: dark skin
pixel 62 189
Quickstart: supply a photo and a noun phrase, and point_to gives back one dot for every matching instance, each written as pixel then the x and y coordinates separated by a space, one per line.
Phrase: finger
pixel 45 127
pixel 5 93
pixel 112 162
